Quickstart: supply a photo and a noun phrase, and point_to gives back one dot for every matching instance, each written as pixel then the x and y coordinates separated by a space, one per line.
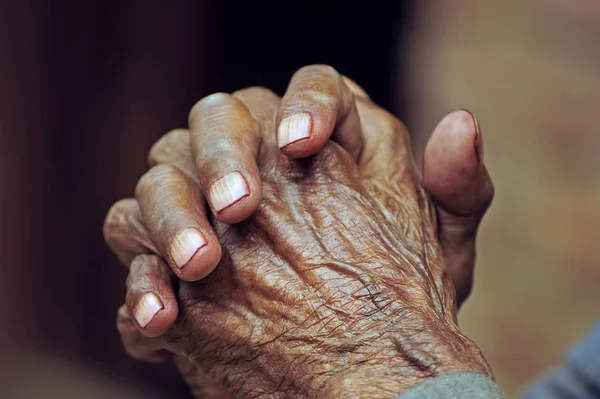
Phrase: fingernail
pixel 185 245
pixel 228 190
pixel 478 138
pixel 147 308
pixel 293 128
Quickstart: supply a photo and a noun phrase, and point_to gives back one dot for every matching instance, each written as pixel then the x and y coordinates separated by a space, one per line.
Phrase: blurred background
pixel 87 87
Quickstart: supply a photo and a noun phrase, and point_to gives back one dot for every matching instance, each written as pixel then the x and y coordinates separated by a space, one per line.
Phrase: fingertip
pixel 166 313
pixel 150 301
pixel 293 128
pixel 317 106
pixel 454 142
pixel 450 155
pixel 454 172
pixel 304 134
pixel 152 311
pixel 202 263
pixel 133 337
pixel 203 258
pixel 240 210
pixel 236 195
pixel 303 149
pixel 185 245
pixel 225 141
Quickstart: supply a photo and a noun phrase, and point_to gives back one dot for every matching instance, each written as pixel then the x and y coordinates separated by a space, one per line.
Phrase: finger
pixel 224 141
pixel 173 209
pixel 136 344
pixel 150 295
pixel 262 104
pixel 386 152
pixel 156 350
pixel 461 189
pixel 318 105
pixel 174 149
pixel 125 232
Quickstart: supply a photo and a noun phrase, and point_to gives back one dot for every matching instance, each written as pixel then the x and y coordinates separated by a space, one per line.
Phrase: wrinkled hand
pixel 224 137
pixel 336 284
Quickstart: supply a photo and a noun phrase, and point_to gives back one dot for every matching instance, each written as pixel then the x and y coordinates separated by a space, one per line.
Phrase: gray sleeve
pixel 579 378
pixel 455 386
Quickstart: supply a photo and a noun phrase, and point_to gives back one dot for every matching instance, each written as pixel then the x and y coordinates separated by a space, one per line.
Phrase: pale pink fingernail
pixel 185 245
pixel 293 128
pixel 147 308
pixel 228 190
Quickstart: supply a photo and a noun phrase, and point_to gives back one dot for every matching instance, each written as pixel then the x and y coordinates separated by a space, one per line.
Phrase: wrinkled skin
pixel 335 287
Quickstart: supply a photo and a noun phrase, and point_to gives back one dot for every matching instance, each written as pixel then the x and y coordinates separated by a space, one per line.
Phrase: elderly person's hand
pixel 337 283
pixel 224 138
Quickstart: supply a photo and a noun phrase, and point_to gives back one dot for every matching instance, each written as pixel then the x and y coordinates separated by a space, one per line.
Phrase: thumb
pixel 461 189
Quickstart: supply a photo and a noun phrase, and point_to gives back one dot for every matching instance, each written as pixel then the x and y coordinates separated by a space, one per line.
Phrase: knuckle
pixel 382 121
pixel 323 86
pixel 389 121
pixel 159 174
pixel 117 215
pixel 256 91
pixel 322 97
pixel 215 99
pixel 166 145
pixel 400 128
pixel 142 263
pixel 147 272
pixel 320 78
pixel 140 282
pixel 319 69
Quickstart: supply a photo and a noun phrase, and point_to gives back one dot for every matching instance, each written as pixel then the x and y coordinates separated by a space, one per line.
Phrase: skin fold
pixel 339 282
